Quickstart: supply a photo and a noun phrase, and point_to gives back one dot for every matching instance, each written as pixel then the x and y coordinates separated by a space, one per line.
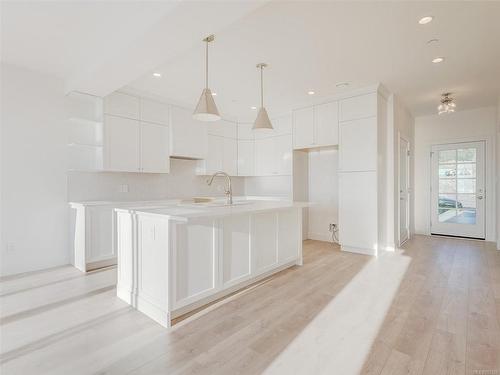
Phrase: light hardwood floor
pixel 429 309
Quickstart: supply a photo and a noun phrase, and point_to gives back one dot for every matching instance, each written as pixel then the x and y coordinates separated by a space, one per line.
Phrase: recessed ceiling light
pixel 342 84
pixel 438 60
pixel 214 94
pixel 254 108
pixel 425 20
pixel 310 93
pixel 157 74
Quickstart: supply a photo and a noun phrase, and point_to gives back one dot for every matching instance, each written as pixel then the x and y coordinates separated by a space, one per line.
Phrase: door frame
pixel 408 188
pixel 490 178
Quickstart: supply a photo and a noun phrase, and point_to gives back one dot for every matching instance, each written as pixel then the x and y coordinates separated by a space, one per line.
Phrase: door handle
pixel 479 197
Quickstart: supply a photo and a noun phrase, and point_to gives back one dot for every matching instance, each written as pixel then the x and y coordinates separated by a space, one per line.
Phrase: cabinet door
pixel 195 261
pixel 265 157
pixel 303 128
pixel 235 249
pixel 326 121
pixel 155 112
pixel 215 156
pixel 358 145
pixel 245 131
pixel 288 240
pixel 358 107
pixel 188 136
pixel 246 158
pixel 124 105
pixel 358 211
pixel 264 244
pixel 223 128
pixel 283 155
pixel 155 148
pixel 122 146
pixel 230 160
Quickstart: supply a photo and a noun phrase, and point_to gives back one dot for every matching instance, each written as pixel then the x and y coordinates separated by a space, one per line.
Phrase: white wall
pixel 33 156
pixel 498 174
pixel 476 124
pixel 322 193
pixel 180 183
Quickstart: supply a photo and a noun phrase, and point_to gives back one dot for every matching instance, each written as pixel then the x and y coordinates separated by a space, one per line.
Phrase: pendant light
pixel 206 110
pixel 447 105
pixel 262 121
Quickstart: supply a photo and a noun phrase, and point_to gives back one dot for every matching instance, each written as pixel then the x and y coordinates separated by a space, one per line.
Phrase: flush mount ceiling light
pixel 157 74
pixel 310 92
pixel 262 121
pixel 447 105
pixel 206 110
pixel 425 20
pixel 214 94
pixel 254 108
pixel 438 60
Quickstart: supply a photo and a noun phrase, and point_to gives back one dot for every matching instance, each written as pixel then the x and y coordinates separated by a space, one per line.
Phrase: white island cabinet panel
pixel 153 254
pixel 235 250
pixel 195 260
pixel 264 244
pixel 288 241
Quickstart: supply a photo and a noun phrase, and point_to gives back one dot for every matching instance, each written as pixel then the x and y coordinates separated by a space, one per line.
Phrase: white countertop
pixel 189 211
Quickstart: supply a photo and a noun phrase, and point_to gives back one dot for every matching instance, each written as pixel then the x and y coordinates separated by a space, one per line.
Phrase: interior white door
pixel 404 195
pixel 458 195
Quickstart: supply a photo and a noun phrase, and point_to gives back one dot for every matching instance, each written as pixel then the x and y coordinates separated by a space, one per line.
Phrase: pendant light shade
pixel 206 110
pixel 262 121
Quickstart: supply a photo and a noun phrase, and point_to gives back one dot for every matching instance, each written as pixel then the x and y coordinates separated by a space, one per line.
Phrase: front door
pixel 457 190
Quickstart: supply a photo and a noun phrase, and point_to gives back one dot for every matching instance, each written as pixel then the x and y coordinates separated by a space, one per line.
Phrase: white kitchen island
pixel 175 259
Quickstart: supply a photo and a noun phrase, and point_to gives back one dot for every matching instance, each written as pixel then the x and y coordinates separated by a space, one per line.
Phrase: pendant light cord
pixel 261 86
pixel 206 66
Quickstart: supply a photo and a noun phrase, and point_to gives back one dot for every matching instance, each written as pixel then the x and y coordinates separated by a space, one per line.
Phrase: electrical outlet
pixel 332 227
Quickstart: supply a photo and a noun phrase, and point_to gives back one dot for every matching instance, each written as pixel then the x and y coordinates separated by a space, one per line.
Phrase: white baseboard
pixel 319 237
pixel 159 315
pixel 359 250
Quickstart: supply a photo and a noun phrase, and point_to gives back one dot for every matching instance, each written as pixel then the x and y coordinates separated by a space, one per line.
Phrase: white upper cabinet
pixel 246 158
pixel 155 145
pixel 326 124
pixel 188 137
pixel 303 128
pixel 223 128
pixel 316 126
pixel 123 105
pixel 122 145
pixel 273 156
pixel 282 125
pixel 245 131
pixel 283 154
pixel 230 158
pixel 358 107
pixel 155 112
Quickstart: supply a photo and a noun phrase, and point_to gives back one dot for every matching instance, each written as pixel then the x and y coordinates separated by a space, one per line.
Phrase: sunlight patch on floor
pixel 338 340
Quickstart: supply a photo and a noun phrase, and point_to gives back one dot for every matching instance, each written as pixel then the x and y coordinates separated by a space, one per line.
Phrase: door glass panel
pixel 457 186
pixel 446 170
pixel 466 154
pixel 466 185
pixel 466 170
pixel 447 185
pixel 448 156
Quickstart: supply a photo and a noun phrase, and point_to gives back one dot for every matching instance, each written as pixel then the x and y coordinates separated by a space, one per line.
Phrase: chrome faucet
pixel 228 190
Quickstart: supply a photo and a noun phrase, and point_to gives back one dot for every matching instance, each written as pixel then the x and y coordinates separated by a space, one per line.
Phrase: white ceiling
pixel 314 45
pixel 100 46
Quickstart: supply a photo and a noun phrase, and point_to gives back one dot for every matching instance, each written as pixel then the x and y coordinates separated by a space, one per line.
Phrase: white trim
pixel 408 165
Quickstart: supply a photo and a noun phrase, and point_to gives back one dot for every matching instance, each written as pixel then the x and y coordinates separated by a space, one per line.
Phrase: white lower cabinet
pixel 195 261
